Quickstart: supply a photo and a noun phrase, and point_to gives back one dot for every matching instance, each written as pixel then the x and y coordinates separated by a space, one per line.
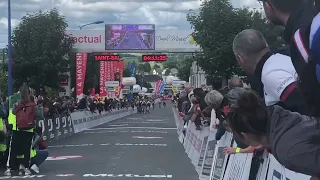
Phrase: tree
pixel 3 83
pixel 147 67
pixel 215 27
pixel 126 72
pixel 40 49
pixel 167 72
pixel 170 63
pixel 214 30
pixel 140 68
pixel 184 68
pixel 159 71
pixel 154 67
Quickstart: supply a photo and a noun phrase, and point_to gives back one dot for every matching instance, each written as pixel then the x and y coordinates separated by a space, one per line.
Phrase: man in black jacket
pixel 294 15
pixel 275 70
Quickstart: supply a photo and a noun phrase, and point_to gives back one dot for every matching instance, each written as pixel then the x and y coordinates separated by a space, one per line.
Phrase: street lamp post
pixel 10 85
pixel 97 22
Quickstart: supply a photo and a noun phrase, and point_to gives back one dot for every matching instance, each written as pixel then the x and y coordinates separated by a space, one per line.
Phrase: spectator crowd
pixel 280 112
pixel 19 132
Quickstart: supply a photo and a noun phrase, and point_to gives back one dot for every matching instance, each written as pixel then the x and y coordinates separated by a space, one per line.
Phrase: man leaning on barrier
pixel 275 71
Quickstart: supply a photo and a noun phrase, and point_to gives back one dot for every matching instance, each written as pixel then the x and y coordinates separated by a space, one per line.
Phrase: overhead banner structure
pixel 81 67
pixel 164 41
pixel 103 78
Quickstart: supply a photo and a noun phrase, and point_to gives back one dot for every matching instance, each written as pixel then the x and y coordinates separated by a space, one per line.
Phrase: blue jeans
pixel 40 157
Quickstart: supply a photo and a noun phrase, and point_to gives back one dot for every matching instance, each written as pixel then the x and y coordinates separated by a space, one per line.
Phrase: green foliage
pixel 3 83
pixel 40 49
pixel 140 68
pixel 126 72
pixel 155 66
pixel 170 63
pixel 146 67
pixel 184 68
pixel 215 27
pixel 167 72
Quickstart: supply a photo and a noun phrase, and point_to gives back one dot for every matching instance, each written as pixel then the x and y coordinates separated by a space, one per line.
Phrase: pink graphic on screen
pixel 130 37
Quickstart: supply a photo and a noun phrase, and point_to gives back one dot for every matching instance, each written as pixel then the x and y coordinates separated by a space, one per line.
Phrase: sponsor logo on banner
pixel 178 83
pixel 50 130
pixel 41 124
pixel 208 159
pixel 112 83
pixel 81 65
pixel 177 40
pixel 103 79
pixel 55 128
pixel 219 163
pixel 203 151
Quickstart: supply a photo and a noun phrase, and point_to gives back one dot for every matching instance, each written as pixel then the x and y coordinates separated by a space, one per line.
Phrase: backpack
pixel 25 116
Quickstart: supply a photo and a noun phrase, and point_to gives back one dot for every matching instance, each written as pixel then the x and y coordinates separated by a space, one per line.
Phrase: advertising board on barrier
pixel 214 164
pixel 220 159
pixel 202 152
pixel 164 40
pixel 60 126
pixel 86 120
pixel 209 157
pixel 238 167
pixel 278 172
pixel 263 167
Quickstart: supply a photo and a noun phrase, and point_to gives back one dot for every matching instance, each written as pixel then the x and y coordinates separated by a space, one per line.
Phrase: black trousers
pixel 20 145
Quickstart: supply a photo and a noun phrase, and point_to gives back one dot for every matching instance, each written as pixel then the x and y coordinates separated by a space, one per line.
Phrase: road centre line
pixel 103 132
pixel 94 129
pixel 128 175
pixel 152 122
pixel 89 175
pixel 106 144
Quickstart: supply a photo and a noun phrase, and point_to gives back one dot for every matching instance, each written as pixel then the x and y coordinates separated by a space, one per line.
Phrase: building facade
pixel 197 76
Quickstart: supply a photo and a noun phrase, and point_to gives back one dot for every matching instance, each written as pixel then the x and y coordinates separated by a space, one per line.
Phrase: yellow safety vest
pixel 3 146
pixel 12 120
pixel 33 153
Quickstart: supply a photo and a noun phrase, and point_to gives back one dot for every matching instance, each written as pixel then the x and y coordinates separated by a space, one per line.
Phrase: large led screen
pixel 130 37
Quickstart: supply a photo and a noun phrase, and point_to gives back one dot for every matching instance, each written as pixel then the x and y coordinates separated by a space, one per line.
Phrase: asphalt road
pixel 140 146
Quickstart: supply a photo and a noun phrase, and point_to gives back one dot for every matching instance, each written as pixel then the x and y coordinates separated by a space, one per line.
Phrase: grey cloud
pixel 138 1
pixel 165 14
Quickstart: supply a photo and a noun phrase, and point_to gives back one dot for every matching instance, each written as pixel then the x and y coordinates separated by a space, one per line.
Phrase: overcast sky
pixel 162 13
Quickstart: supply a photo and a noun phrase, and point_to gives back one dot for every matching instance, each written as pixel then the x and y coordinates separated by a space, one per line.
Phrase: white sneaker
pixel 35 168
pixel 7 172
pixel 24 171
pixel 27 172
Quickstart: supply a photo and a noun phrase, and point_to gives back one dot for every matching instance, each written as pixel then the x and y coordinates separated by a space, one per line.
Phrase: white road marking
pixel 127 175
pixel 104 144
pixel 133 118
pixel 118 124
pixel 94 129
pixel 142 122
pixel 58 158
pixel 155 120
pixel 143 137
pixel 103 132
pixel 22 177
pixel 64 175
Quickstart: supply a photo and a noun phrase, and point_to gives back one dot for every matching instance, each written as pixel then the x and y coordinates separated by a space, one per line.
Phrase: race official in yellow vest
pixel 3 140
pixel 20 140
